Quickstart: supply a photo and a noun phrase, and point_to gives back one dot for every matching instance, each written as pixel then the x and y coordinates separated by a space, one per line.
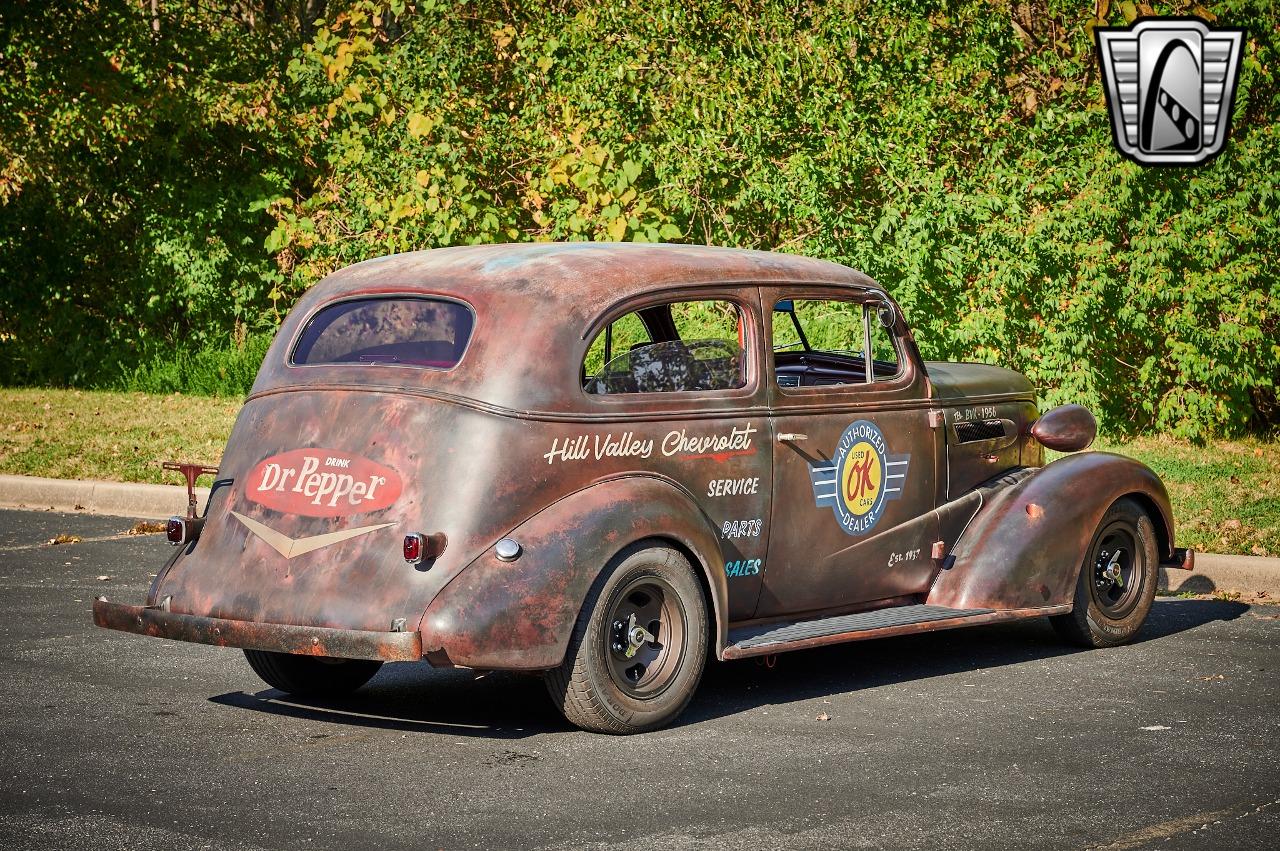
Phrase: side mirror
pixel 886 315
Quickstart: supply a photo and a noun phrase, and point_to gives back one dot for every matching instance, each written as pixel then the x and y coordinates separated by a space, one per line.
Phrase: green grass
pixel 225 370
pixel 1226 495
pixel 83 434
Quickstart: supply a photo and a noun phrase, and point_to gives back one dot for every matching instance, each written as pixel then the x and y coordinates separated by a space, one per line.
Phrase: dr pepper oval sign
pixel 322 483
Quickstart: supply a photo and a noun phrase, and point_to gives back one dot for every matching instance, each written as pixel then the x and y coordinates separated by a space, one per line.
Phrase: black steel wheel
pixel 1117 582
pixel 1114 588
pixel 638 648
pixel 311 676
pixel 646 636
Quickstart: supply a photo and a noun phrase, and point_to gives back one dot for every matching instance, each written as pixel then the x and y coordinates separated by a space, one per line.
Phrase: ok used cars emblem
pixel 860 479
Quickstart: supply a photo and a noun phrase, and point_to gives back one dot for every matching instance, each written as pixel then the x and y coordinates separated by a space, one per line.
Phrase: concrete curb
pixel 123 499
pixel 1248 575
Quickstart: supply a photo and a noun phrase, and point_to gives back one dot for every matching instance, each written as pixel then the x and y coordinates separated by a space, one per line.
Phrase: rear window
pixel 424 332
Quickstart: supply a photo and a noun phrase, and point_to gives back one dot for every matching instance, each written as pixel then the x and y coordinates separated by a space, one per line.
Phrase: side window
pixel 669 348
pixel 622 335
pixel 822 342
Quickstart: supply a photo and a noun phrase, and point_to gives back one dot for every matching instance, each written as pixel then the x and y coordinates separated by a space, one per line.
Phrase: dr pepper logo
pixel 322 483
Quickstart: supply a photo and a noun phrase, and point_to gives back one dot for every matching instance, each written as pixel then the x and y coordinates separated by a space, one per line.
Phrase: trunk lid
pixel 325 485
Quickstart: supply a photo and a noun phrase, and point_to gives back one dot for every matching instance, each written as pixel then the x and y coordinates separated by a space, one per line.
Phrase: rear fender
pixel 1025 545
pixel 519 615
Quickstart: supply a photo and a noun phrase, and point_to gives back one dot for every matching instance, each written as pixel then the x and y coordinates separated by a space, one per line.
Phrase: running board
pixel 880 623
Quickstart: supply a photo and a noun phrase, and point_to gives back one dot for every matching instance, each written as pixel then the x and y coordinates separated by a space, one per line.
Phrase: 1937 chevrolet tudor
pixel 605 462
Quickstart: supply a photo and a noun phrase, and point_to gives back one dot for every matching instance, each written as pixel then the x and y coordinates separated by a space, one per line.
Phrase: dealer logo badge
pixel 1170 84
pixel 861 478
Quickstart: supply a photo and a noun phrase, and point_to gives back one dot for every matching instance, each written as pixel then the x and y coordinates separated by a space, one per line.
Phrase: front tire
pixel 638 648
pixel 311 676
pixel 1117 583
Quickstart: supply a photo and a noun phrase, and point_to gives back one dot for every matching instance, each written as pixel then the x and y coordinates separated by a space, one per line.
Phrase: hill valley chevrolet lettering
pixel 678 442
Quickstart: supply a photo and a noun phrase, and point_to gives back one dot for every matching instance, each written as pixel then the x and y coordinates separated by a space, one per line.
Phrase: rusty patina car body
pixel 330 466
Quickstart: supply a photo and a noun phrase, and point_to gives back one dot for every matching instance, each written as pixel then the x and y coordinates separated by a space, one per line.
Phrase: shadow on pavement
pixel 870 664
pixel 415 698
pixel 410 697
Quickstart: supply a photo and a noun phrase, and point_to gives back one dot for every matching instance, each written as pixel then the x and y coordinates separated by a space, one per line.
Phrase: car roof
pixel 584 273
pixel 534 304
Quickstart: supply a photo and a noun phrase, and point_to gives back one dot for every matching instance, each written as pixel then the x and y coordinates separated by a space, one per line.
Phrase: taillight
pixel 183 530
pixel 419 547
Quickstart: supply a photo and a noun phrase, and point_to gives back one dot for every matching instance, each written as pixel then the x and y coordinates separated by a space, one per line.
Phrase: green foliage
pixel 216 370
pixel 957 151
pixel 132 150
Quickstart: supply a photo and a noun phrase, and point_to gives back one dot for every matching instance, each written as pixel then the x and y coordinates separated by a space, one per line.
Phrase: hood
pixel 976 382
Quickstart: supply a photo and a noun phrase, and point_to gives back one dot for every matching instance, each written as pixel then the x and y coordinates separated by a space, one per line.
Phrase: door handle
pixel 791 437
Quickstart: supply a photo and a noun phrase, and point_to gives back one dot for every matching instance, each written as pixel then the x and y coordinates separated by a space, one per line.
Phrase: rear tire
pixel 638 648
pixel 1117 582
pixel 311 676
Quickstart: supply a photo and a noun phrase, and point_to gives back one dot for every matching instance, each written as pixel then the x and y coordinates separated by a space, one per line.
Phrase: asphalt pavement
pixel 986 737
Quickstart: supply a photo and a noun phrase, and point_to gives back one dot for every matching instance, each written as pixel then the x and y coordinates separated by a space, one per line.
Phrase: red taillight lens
pixel 419 547
pixel 183 530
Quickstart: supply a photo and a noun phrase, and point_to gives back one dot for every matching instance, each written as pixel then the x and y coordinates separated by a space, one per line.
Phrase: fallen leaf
pixel 1231 523
pixel 1155 727
pixel 824 717
pixel 146 527
pixel 104 578
pixel 64 539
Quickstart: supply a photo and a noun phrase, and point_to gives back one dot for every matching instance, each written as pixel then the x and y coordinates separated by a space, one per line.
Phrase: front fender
pixel 1025 545
pixel 519 615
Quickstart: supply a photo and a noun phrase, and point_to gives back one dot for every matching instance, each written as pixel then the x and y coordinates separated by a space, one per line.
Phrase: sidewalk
pixel 1248 575
pixel 124 499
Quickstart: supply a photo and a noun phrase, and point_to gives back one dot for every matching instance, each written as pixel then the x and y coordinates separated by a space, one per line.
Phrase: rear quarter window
pixel 679 346
pixel 429 333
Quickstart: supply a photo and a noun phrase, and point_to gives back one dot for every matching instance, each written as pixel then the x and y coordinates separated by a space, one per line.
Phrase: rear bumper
pixel 281 638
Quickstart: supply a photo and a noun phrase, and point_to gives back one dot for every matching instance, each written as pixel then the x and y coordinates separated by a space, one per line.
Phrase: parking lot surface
pixel 984 737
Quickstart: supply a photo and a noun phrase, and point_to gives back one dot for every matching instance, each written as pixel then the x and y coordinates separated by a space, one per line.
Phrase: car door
pixel 856 456
pixel 674 384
